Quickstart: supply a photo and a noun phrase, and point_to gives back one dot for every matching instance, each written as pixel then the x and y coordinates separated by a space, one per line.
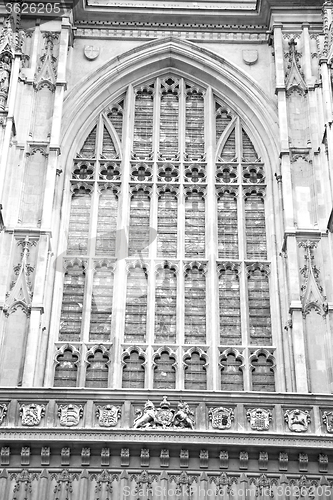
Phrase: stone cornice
pixel 194 438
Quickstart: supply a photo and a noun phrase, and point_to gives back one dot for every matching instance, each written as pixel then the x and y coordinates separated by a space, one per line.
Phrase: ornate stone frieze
pixel 163 416
pixel 221 418
pixel 259 419
pixel 108 415
pixel 297 420
pixel 328 420
pixel 32 414
pixel 3 412
pixel 70 415
pixel 312 295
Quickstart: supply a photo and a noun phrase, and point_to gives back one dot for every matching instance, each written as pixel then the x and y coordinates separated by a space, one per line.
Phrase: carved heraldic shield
pixel 221 418
pixel 108 415
pixel 32 414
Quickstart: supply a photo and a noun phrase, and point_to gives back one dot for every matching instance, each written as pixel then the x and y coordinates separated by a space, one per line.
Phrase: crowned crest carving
pixel 32 414
pixel 163 416
pixel 297 420
pixel 108 415
pixel 70 415
pixel 3 412
pixel 328 420
pixel 259 419
pixel 221 417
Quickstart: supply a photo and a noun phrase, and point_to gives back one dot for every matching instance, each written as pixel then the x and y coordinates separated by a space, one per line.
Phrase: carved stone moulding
pixel 297 420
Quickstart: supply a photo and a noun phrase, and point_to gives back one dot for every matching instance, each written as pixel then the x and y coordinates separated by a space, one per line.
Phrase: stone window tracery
pixel 167 245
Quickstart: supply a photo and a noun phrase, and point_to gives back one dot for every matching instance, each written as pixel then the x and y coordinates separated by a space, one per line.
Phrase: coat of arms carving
pixel 108 415
pixel 259 419
pixel 221 417
pixel 297 420
pixel 164 417
pixel 328 420
pixel 3 412
pixel 32 414
pixel 70 415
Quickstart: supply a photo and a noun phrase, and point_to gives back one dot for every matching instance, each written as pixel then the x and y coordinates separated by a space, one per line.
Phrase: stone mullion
pixel 153 226
pixel 242 256
pixel 212 286
pixel 181 238
pixel 241 241
pixel 120 278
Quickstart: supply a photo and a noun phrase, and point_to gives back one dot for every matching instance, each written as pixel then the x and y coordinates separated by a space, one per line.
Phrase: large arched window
pixel 167 242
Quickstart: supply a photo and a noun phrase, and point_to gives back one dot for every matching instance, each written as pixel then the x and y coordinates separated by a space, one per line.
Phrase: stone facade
pixel 166 240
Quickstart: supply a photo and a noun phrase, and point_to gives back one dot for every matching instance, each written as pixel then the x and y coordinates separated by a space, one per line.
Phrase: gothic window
pixel 164 369
pixel 155 260
pixel 115 116
pixel 139 231
pixel 79 219
pixel 227 224
pixel 66 369
pixel 167 222
pixel 194 223
pixel 169 119
pixel 143 122
pixel 133 369
pixel 97 367
pixel 194 136
pixel 229 305
pixel 136 304
pixel 72 302
pixel 231 371
pixel 107 221
pixel 259 305
pixel 255 225
pixel 166 304
pixel 195 362
pixel 195 304
pixel 262 365
pixel 101 302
